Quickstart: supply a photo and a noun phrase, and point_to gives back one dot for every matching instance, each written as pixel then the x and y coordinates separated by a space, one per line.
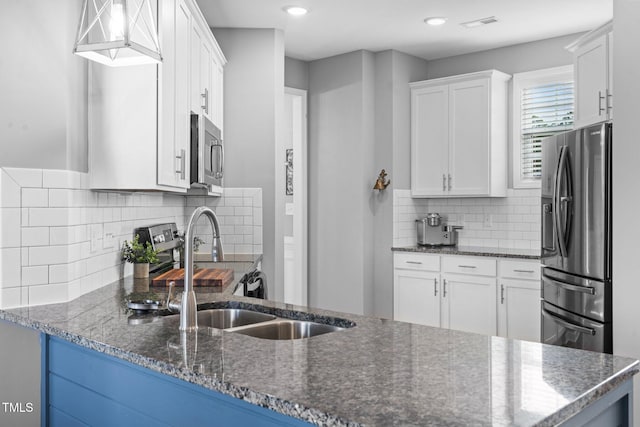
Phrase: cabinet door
pixel 196 96
pixel 591 77
pixel 429 140
pixel 173 136
pixel 469 138
pixel 416 297
pixel 206 76
pixel 469 303
pixel 217 95
pixel 519 309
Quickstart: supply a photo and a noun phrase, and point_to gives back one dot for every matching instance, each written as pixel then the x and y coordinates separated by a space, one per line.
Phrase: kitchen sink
pixel 285 329
pixel 226 318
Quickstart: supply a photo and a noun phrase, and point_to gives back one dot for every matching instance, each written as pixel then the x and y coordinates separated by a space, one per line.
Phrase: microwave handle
pixel 220 171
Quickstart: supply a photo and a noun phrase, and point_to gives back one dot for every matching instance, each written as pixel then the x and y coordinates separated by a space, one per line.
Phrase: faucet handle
pixel 172 304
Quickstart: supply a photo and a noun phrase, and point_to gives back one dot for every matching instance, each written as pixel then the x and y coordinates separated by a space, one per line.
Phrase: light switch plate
pixel 487 221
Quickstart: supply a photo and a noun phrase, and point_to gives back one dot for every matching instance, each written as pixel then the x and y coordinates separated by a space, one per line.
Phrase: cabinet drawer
pixel 520 269
pixel 476 266
pixel 416 261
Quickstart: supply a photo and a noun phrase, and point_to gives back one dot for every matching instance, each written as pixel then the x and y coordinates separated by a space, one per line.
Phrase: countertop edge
pixel 449 250
pixel 282 406
pixel 590 396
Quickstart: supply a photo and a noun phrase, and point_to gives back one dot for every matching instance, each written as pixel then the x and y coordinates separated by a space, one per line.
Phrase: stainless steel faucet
pixel 188 307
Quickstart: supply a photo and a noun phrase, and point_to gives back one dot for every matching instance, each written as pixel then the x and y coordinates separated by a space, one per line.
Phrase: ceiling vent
pixel 479 22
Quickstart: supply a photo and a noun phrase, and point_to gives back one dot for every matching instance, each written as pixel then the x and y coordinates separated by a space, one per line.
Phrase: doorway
pixel 294 156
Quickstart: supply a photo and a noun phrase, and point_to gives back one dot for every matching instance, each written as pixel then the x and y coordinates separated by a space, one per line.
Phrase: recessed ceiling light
pixel 480 22
pixel 435 21
pixel 295 10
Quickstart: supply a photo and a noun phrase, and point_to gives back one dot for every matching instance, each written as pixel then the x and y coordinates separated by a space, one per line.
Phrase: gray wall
pixel 394 70
pixel 511 59
pixel 253 101
pixel 626 152
pixel 19 374
pixel 43 85
pixel 296 73
pixel 339 179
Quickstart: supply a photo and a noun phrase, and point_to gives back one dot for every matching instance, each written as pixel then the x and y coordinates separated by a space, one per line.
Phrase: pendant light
pixel 118 32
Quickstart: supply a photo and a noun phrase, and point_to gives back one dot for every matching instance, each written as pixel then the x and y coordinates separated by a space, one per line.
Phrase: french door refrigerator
pixel 576 239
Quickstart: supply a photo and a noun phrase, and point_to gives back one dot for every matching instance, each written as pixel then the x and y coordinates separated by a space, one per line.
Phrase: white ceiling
pixel 338 26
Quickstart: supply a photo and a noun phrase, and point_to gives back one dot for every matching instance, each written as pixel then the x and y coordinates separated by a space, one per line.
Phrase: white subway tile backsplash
pixel 9 191
pixel 35 197
pixel 514 221
pixel 35 236
pixel 10 226
pixel 25 177
pixel 35 275
pixel 48 220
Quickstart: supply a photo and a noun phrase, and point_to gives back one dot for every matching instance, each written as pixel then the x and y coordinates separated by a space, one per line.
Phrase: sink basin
pixel 225 318
pixel 287 330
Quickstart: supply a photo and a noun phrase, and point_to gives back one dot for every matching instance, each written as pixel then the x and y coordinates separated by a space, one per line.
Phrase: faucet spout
pixel 188 308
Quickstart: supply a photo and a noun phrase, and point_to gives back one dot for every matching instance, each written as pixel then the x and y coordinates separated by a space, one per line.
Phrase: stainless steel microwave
pixel 207 152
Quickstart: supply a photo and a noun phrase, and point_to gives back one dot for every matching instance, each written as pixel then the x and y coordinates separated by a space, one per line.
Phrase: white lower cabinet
pixel 468 303
pixel 519 300
pixel 416 297
pixel 466 293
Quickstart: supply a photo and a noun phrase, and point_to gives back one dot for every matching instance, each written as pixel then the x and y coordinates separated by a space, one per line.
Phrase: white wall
pixel 626 151
pixel 43 85
pixel 296 73
pixel 253 102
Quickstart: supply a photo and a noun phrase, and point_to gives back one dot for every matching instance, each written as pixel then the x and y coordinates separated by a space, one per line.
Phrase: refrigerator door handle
pixel 568 325
pixel 582 289
pixel 557 200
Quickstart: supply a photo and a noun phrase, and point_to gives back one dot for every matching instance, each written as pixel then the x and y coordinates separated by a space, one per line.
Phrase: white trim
pixel 521 81
pixel 300 214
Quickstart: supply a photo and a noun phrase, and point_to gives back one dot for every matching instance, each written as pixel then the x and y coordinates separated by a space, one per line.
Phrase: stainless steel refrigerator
pixel 576 239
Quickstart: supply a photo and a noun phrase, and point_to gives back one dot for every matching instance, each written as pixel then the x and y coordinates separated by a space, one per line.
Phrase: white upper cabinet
pixel 458 136
pixel 207 62
pixel 592 56
pixel 139 116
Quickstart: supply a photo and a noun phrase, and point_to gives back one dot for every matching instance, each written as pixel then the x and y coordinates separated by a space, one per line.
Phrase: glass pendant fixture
pixel 118 32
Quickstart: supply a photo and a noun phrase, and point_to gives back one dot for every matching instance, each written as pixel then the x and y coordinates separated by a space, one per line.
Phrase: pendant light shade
pixel 118 32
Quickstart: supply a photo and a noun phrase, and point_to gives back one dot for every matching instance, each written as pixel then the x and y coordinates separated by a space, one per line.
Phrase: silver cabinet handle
pixel 413 262
pixel 609 104
pixel 568 325
pixel 444 288
pixel 600 99
pixel 524 271
pixel 444 182
pixel 449 182
pixel 205 100
pixel 467 266
pixel 435 287
pixel 183 160
pixel 501 294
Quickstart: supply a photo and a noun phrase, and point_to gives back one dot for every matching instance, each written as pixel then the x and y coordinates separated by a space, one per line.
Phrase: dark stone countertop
pixel 473 251
pixel 378 373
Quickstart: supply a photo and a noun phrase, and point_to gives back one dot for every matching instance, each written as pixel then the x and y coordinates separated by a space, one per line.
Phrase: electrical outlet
pixel 108 241
pixel 487 221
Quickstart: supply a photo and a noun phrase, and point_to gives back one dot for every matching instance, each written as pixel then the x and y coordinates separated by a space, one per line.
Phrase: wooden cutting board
pixel 202 277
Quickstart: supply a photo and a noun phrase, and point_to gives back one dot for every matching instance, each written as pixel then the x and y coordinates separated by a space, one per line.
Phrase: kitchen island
pixel 373 372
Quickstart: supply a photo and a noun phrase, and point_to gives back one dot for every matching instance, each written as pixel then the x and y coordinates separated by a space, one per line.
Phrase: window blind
pixel 545 110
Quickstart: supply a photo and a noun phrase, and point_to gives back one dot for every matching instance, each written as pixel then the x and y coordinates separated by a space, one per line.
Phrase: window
pixel 542 106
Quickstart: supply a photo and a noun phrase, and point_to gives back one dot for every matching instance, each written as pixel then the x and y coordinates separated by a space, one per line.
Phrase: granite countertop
pixel 377 373
pixel 473 251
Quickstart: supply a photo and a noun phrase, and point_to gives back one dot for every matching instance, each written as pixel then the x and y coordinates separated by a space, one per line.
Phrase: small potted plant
pixel 140 256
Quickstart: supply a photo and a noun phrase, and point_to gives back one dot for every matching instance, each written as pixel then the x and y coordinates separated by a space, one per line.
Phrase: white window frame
pixel 522 81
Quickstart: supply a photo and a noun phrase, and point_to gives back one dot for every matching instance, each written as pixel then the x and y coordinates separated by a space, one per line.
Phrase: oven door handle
pixel 583 289
pixel 568 325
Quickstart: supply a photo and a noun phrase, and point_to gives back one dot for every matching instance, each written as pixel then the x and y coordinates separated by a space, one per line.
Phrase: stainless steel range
pixel 576 239
pixel 164 238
